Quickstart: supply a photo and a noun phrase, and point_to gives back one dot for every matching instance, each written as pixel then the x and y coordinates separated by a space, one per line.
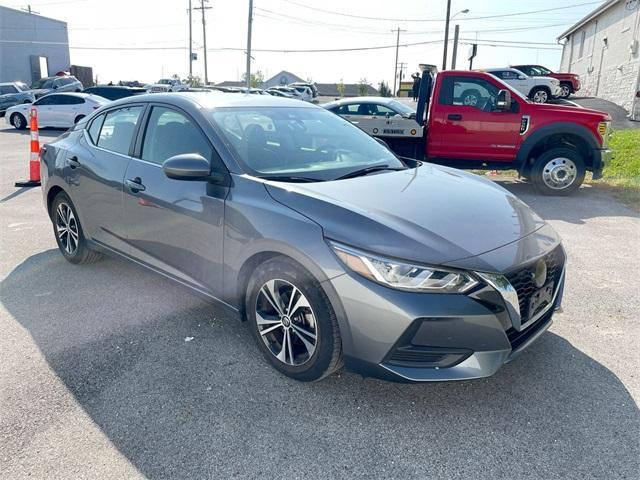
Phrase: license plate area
pixel 540 299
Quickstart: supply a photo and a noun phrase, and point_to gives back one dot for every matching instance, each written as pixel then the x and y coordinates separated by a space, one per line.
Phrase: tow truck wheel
pixel 559 171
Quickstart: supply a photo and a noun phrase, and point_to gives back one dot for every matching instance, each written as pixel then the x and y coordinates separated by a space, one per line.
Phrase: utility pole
pixel 401 66
pixel 249 25
pixel 204 38
pixel 395 68
pixel 446 36
pixel 190 46
pixel 456 34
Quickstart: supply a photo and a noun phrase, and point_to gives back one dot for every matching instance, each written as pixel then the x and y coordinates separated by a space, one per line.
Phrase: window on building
pixel 583 36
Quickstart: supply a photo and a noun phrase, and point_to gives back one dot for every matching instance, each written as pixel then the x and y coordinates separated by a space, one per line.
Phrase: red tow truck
pixel 473 120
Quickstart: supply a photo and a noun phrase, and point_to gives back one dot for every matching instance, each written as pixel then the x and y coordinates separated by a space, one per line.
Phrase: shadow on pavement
pixel 42 132
pixel 211 407
pixel 587 202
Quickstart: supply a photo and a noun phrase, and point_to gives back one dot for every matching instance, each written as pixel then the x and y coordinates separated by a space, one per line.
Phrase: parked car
pixel 67 83
pixel 476 121
pixel 382 117
pixel 279 93
pixel 569 82
pixel 312 86
pixel 538 89
pixel 114 92
pixel 305 92
pixel 61 110
pixel 292 92
pixel 14 93
pixel 167 85
pixel 289 198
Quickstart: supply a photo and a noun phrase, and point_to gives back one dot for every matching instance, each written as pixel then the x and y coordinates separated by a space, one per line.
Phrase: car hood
pixel 39 92
pixel 428 214
pixel 567 108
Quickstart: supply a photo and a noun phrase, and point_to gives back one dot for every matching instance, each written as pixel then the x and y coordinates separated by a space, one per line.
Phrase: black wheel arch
pixel 559 134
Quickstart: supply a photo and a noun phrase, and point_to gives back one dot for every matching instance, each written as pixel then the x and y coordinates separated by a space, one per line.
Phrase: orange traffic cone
pixel 34 160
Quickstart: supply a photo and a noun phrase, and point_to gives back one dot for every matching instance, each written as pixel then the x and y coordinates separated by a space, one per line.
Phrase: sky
pixel 146 40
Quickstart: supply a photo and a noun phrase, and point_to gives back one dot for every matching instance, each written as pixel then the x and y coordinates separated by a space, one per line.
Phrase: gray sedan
pixel 335 251
pixel 14 93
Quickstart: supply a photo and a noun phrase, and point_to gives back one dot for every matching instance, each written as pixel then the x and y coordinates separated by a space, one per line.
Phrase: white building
pixel 603 48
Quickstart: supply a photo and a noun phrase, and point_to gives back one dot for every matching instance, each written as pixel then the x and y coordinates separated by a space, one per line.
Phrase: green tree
pixel 341 88
pixel 195 81
pixel 363 87
pixel 257 79
pixel 384 89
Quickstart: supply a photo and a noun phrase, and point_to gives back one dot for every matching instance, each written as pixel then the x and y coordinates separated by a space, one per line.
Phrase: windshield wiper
pixel 367 170
pixel 290 178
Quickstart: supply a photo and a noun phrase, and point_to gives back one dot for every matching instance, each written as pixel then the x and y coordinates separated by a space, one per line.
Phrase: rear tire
pixel 566 90
pixel 68 232
pixel 559 171
pixel 300 337
pixel 18 121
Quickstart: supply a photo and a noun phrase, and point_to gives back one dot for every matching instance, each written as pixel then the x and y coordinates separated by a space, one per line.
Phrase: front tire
pixel 540 95
pixel 18 121
pixel 68 232
pixel 292 321
pixel 559 171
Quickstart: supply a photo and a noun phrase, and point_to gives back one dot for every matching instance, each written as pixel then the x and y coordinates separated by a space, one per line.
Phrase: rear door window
pixel 118 128
pixel 5 89
pixel 94 128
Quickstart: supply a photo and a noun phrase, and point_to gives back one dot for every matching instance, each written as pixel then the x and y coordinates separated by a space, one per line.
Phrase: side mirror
pixel 503 102
pixel 190 166
pixel 521 77
pixel 55 87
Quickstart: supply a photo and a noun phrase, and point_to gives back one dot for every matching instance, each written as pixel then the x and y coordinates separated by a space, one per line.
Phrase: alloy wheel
pixel 559 173
pixel 67 228
pixel 286 322
pixel 470 100
pixel 540 96
pixel 18 121
pixel 566 91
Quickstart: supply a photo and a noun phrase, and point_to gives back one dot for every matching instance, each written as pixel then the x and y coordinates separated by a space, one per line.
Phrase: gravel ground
pixel 97 379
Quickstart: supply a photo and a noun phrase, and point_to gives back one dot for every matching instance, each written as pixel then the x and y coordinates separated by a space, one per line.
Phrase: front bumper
pixel 601 158
pixel 418 337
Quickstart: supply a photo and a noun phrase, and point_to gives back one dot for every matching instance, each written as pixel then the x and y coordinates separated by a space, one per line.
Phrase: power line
pixel 342 14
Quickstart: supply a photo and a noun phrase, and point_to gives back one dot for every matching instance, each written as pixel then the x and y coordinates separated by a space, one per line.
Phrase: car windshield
pixel 23 87
pixel 402 108
pixel 543 70
pixel 306 143
pixel 43 83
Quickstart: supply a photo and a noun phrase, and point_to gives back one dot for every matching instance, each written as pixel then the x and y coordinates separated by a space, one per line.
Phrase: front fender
pixel 555 128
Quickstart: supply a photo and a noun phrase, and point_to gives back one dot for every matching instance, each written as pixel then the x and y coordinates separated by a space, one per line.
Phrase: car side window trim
pixel 105 113
pixel 215 162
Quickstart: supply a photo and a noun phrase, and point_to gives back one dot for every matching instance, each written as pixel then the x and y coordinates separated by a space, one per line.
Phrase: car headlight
pixel 404 276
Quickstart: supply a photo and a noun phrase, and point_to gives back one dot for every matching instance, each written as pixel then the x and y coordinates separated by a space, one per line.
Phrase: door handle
pixel 454 116
pixel 135 185
pixel 73 162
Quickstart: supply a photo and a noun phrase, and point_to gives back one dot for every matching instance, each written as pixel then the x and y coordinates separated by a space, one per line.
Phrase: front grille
pixel 517 338
pixel 522 279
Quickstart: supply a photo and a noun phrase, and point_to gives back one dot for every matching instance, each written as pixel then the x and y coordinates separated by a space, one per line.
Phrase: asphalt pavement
pixel 110 371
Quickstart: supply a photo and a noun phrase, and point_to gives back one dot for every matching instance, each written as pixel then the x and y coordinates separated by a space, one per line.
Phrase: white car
pixel 61 110
pixel 538 89
pixel 305 92
pixel 166 85
pixel 288 90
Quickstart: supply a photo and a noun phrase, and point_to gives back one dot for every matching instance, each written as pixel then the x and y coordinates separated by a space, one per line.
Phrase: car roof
pixel 215 99
pixel 352 100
